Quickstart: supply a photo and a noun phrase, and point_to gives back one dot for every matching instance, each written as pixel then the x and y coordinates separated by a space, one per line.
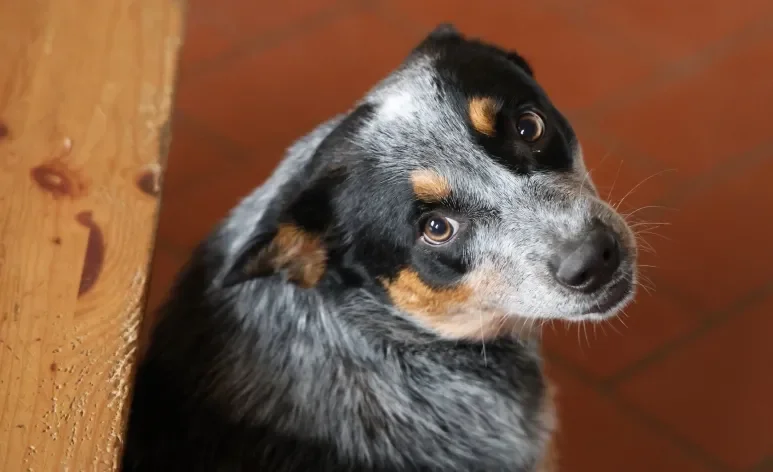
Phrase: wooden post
pixel 85 100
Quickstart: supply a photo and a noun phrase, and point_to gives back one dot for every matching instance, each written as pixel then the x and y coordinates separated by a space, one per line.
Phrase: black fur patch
pixel 483 70
pixel 255 374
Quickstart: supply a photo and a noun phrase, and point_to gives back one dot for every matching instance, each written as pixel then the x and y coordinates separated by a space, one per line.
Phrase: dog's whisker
pixel 635 187
pixel 553 326
pixel 579 336
pixel 648 250
pixel 646 283
pixel 609 195
pixel 648 224
pixel 589 171
pixel 646 207
pixel 652 233
pixel 585 332
pixel 644 278
pixel 645 245
pixel 611 324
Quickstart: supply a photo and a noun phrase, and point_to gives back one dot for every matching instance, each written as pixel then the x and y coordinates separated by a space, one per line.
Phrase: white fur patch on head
pixel 397 106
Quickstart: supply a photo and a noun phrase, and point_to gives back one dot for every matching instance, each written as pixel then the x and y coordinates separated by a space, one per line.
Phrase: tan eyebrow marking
pixel 483 114
pixel 429 186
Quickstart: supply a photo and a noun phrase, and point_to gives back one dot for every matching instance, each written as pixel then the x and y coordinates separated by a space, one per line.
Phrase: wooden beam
pixel 85 100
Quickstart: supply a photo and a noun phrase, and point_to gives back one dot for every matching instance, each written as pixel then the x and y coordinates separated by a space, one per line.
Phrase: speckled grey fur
pixel 267 376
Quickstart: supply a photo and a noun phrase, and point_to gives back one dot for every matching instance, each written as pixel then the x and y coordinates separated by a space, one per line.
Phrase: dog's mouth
pixel 611 299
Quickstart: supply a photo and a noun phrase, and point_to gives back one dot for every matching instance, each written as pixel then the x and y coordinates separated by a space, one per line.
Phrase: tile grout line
pixel 686 67
pixel 237 150
pixel 607 386
pixel 394 17
pixel 670 73
pixel 697 185
pixel 271 39
pixel 275 38
pixel 409 26
pixel 642 418
pixel 261 44
pixel 662 77
pixel 210 135
pixel 232 154
pixel 578 16
pixel 612 143
pixel 718 174
pixel 757 296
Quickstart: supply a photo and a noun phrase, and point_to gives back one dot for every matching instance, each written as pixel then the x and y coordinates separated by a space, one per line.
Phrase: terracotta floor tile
pixel 268 100
pixel 215 26
pixel 709 391
pixel 190 214
pixel 194 154
pixel 716 390
pixel 164 268
pixel 714 115
pixel 202 41
pixel 574 65
pixel 594 435
pixel 635 188
pixel 676 29
pixel 603 350
pixel 719 244
pixel 195 157
pixel 623 181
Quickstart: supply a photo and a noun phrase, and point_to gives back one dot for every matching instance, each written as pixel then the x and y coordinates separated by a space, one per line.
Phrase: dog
pixel 368 307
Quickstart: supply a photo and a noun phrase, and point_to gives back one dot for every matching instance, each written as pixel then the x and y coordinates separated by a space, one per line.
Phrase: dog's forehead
pixel 420 117
pixel 435 84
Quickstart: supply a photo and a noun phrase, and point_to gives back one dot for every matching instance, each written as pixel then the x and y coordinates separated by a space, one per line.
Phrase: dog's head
pixel 457 186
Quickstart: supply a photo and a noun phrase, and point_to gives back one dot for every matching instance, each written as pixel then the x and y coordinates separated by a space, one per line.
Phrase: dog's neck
pixel 345 370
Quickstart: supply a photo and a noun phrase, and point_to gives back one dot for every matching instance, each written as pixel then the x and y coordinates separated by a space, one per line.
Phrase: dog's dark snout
pixel 589 262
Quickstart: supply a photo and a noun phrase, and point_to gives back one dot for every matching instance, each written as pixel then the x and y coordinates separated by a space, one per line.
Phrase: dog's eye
pixel 530 126
pixel 439 230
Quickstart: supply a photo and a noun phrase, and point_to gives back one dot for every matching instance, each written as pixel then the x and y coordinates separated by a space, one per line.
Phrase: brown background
pixel 674 99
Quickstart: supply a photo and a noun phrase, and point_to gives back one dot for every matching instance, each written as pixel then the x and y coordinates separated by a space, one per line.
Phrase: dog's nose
pixel 586 264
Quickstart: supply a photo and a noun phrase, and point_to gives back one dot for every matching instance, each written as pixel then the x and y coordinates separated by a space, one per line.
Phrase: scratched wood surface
pixel 85 95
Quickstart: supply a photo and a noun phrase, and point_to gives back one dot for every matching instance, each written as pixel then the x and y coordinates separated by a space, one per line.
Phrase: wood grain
pixel 85 98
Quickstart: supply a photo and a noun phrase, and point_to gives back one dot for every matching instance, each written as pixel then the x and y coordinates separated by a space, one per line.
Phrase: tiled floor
pixel 674 104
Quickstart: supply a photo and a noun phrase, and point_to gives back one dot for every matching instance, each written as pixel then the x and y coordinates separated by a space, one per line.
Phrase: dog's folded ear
pixel 518 60
pixel 448 32
pixel 444 30
pixel 442 33
pixel 291 237
pixel 288 240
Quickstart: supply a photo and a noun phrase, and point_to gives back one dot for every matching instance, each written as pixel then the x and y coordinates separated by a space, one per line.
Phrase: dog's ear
pixel 444 31
pixel 518 60
pixel 447 31
pixel 289 238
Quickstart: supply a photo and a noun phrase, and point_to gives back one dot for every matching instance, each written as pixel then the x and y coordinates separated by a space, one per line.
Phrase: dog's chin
pixel 608 303
pixel 605 304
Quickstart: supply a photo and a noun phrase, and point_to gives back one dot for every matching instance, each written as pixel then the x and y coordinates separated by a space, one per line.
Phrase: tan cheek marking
pixel 449 312
pixel 483 114
pixel 299 253
pixel 430 187
pixel 453 312
pixel 409 293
